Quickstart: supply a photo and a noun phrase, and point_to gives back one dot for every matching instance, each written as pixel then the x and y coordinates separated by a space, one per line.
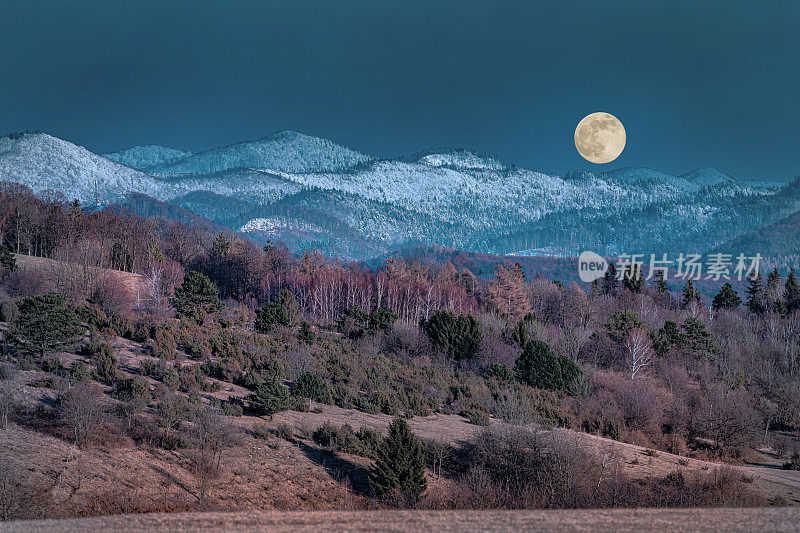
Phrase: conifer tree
pixel 610 281
pixel 506 293
pixel 284 311
pixel 400 463
pixel 269 398
pixel 632 279
pixel 7 259
pixel 521 332
pixel 594 288
pixel 458 335
pixel 698 337
pixel 539 367
pixel 791 293
pixel 773 293
pixel 45 323
pixel 755 294
pixel 726 298
pixel 659 284
pixel 690 294
pixel 197 297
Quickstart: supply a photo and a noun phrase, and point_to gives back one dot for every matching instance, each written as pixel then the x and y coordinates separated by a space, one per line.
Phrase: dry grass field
pixel 763 519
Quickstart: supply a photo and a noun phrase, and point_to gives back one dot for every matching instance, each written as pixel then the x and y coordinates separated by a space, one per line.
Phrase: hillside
pixel 779 241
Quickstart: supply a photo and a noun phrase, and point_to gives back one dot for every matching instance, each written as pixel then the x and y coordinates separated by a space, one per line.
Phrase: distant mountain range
pixel 313 193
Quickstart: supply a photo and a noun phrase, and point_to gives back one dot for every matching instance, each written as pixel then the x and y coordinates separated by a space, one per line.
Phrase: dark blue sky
pixel 696 83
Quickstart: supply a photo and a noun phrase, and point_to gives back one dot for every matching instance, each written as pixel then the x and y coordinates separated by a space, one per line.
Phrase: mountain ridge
pixel 440 196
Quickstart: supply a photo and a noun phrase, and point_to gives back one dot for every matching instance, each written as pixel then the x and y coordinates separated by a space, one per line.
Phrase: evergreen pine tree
pixel 632 279
pixel 755 294
pixel 45 323
pixel 269 398
pixel 594 288
pixel 306 334
pixel 690 294
pixel 400 463
pixel 773 293
pixel 284 311
pixel 659 284
pixel 698 337
pixel 726 298
pixel 521 332
pixel 75 210
pixel 610 281
pixel 773 279
pixel 197 297
pixel 7 259
pixel 539 367
pixel 458 335
pixel 791 293
pixel 668 338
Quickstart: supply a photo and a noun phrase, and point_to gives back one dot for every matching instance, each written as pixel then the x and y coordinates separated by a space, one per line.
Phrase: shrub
pixel 7 402
pixel 7 371
pixel 8 311
pixel 365 442
pixel 171 379
pixel 498 371
pixel 83 413
pixel 306 334
pixel 312 386
pixel 459 336
pixel 135 388
pixel 352 322
pixel 142 328
pixel 231 408
pixel 134 393
pixel 283 311
pixel 381 319
pixel 260 430
pixel 105 364
pixel 163 345
pixel 284 431
pixel 400 463
pixel 794 463
pixel 476 415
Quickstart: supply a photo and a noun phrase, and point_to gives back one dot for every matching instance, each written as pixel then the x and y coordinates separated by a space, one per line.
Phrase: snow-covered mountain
pixel 145 158
pixel 707 177
pixel 46 163
pixel 312 192
pixel 286 151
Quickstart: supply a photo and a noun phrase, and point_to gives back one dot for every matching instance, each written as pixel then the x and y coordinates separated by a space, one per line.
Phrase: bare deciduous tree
pixel 6 402
pixel 83 412
pixel 640 352
pixel 211 435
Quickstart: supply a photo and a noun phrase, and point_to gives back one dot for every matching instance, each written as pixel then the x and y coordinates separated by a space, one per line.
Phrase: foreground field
pixel 764 519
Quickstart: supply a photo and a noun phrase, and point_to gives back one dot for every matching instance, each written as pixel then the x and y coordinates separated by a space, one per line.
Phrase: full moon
pixel 600 137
